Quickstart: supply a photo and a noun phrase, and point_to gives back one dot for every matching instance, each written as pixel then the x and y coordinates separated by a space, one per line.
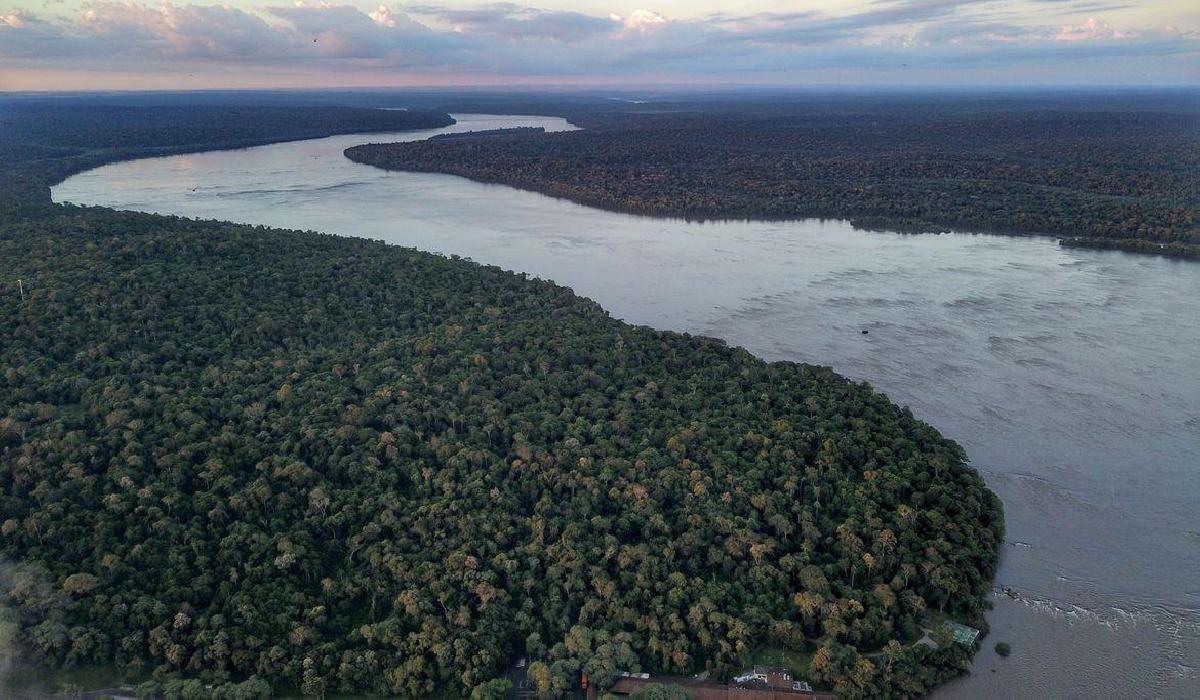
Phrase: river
pixel 1071 377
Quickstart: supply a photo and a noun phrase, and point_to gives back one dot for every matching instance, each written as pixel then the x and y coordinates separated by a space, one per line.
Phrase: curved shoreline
pixel 86 162
pixel 856 223
pixel 34 188
pixel 375 155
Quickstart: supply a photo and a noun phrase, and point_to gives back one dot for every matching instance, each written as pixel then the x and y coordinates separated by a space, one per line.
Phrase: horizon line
pixel 672 87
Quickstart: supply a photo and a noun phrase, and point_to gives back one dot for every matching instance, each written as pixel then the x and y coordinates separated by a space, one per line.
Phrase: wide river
pixel 1071 377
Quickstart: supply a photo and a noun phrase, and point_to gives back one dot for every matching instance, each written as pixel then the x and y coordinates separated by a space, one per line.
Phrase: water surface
pixel 1071 377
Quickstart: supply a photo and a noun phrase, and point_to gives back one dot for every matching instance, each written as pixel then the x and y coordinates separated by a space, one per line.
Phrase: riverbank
pixel 48 141
pixel 1044 168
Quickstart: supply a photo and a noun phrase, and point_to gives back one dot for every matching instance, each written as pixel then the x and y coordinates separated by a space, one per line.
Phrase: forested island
pixel 1102 172
pixel 279 461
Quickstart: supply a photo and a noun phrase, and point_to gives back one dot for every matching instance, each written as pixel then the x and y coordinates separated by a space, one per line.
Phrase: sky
pixel 133 44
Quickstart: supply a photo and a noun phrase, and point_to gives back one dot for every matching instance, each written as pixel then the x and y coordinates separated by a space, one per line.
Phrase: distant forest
pixel 42 141
pixel 1097 171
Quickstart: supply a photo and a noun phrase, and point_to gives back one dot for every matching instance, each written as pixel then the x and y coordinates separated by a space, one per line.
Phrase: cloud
pixel 382 16
pixel 1090 31
pixel 518 41
pixel 640 21
pixel 207 31
pixel 343 32
pixel 110 29
pixel 17 19
pixel 518 22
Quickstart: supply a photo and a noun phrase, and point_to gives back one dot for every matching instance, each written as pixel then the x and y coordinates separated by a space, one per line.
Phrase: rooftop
pixel 758 683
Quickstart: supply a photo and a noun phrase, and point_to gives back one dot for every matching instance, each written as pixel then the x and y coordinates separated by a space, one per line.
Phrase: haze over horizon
pixel 98 44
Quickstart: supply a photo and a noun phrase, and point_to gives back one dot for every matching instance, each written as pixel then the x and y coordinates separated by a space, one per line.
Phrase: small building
pixel 765 676
pixel 963 634
pixel 759 683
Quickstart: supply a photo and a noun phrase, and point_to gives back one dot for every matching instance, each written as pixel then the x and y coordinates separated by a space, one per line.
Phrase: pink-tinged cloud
pixel 949 39
pixel 16 19
pixel 175 30
pixel 640 20
pixel 1090 31
pixel 384 17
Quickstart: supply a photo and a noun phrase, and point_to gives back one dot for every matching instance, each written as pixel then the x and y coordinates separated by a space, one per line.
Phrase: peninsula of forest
pixel 237 461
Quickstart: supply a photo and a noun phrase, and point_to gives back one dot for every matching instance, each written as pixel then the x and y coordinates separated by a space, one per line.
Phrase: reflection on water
pixel 1071 377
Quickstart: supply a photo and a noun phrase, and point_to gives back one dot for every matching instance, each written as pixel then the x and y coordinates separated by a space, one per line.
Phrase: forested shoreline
pixel 280 461
pixel 1123 178
pixel 488 133
pixel 43 142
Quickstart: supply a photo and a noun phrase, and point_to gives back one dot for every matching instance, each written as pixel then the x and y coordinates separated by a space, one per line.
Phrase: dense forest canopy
pixel 261 459
pixel 1095 170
